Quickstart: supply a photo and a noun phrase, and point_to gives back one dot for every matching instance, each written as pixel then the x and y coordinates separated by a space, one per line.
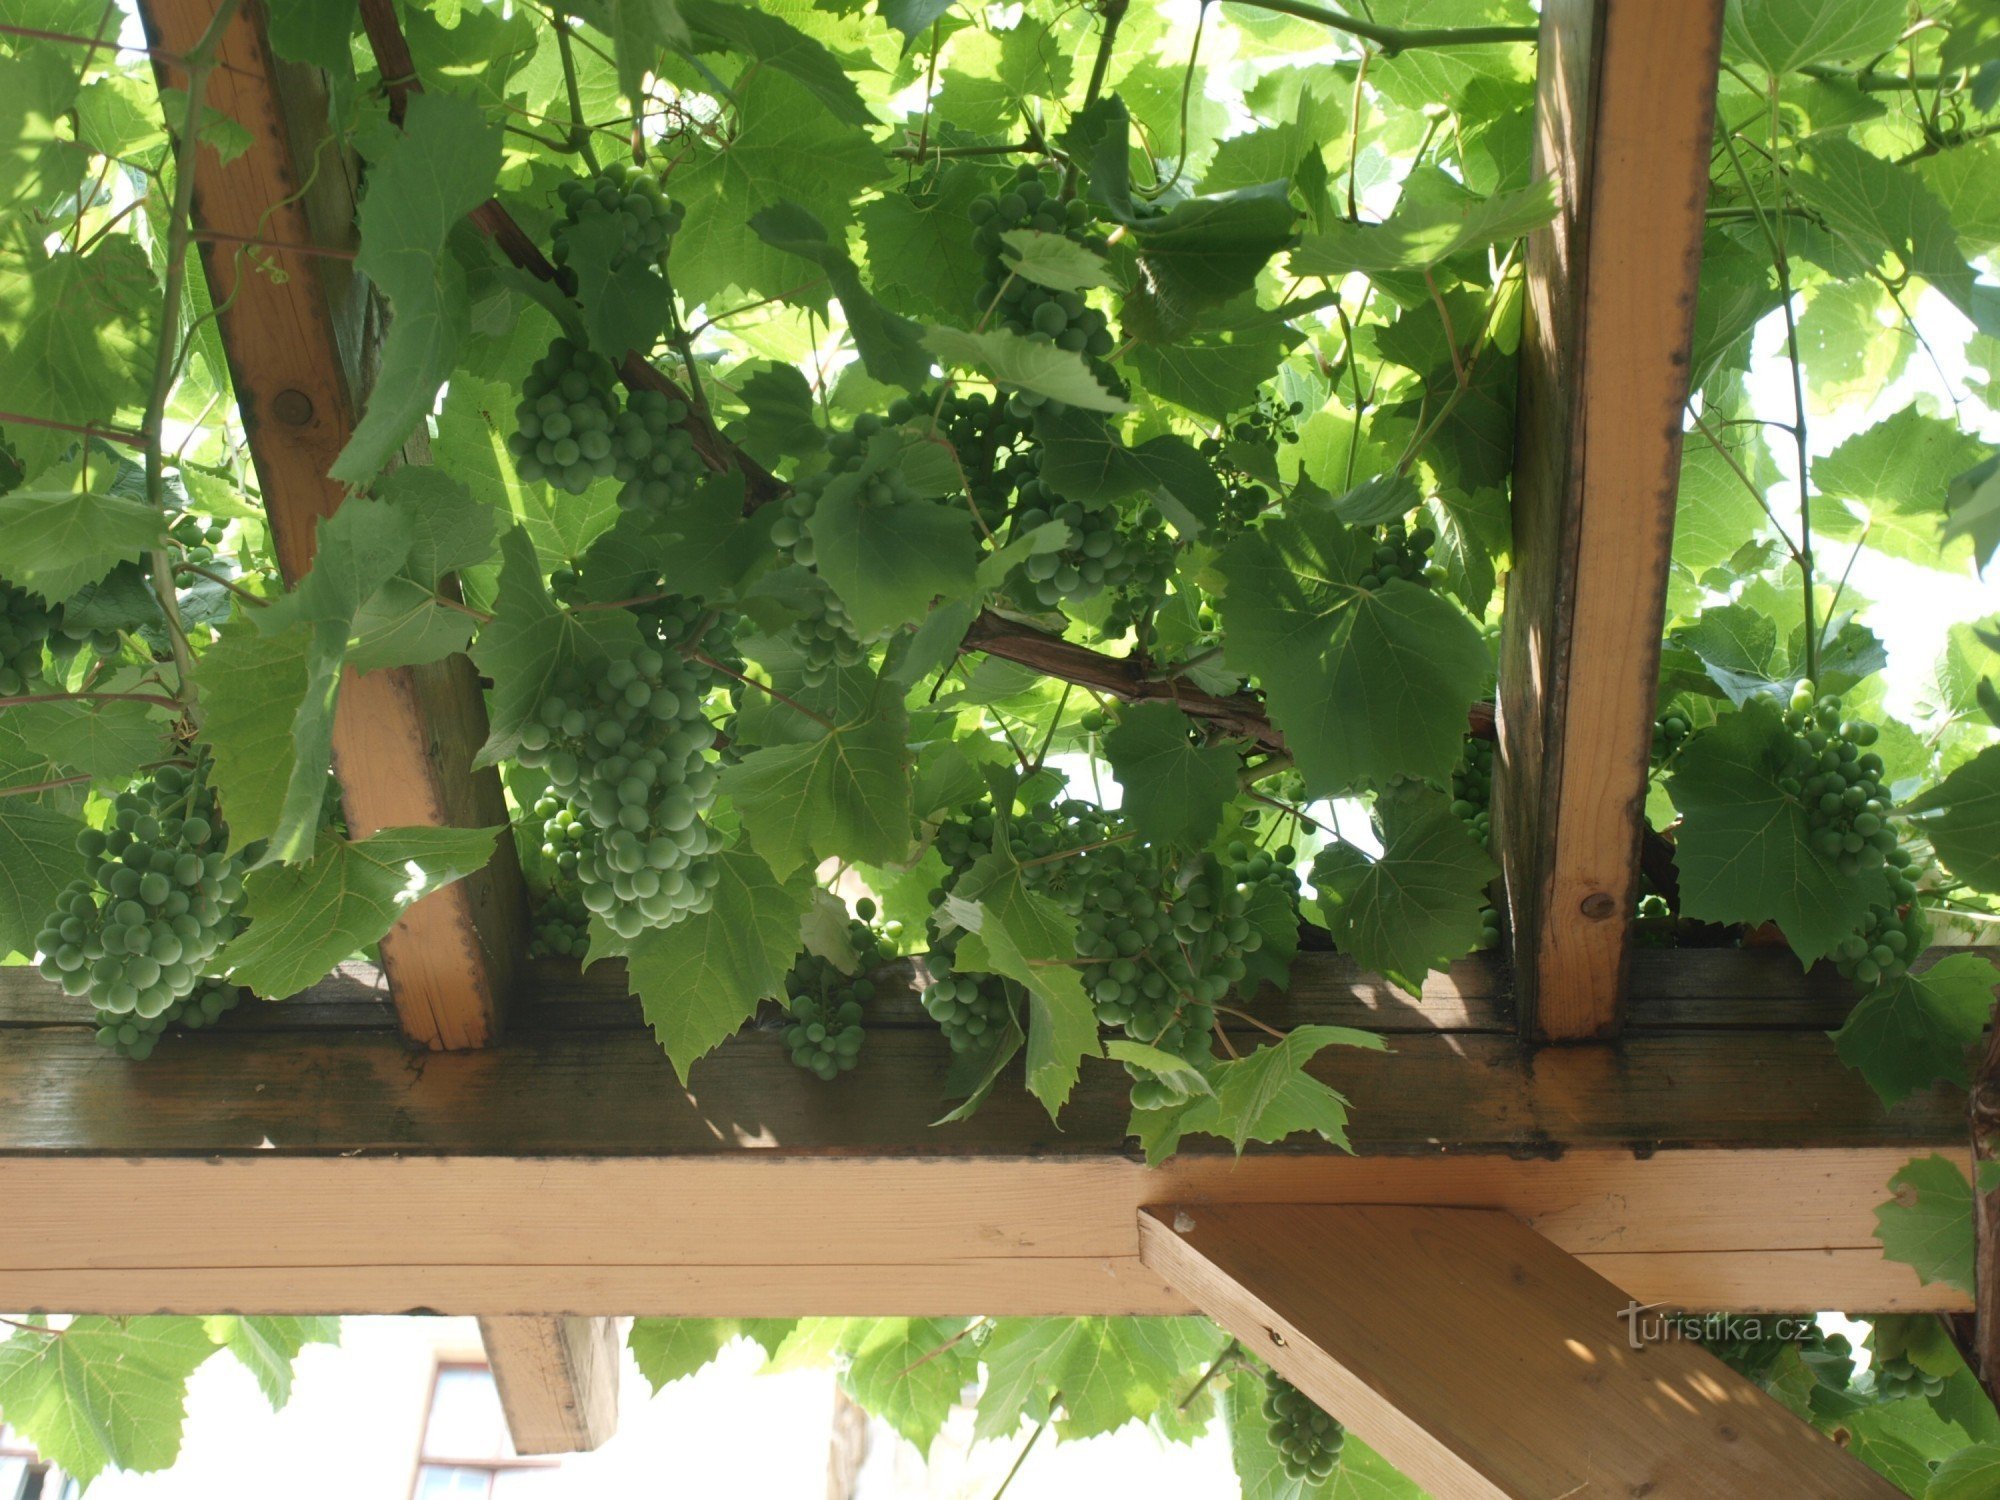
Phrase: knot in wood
pixel 293 408
pixel 1597 906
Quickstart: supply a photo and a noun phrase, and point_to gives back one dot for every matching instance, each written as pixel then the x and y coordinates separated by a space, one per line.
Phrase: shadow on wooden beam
pixel 1484 1362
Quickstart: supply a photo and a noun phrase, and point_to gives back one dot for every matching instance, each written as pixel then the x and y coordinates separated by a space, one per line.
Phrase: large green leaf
pixel 529 644
pixel 1265 1096
pixel 1963 820
pixel 909 1371
pixel 1901 470
pixel 1416 907
pixel 1363 1474
pixel 1927 1224
pixel 38 858
pixel 1022 934
pixel 670 1349
pixel 103 1392
pixel 890 562
pixel 442 167
pixel 304 919
pixel 1782 35
pixel 845 793
pixel 890 345
pixel 1175 789
pixel 1366 683
pixel 776 43
pixel 1015 360
pixel 1917 1030
pixel 1425 235
pixel 1108 1371
pixel 267 1347
pixel 56 541
pixel 253 689
pixel 1744 851
pixel 700 979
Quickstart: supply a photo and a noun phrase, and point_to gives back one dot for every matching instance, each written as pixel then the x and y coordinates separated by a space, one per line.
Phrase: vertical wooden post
pixel 557 1378
pixel 1482 1361
pixel 297 327
pixel 1624 114
pixel 1985 1112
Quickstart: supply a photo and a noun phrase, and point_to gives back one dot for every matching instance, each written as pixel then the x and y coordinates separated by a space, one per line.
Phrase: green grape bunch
pixel 560 927
pixel 991 444
pixel 1307 1439
pixel 1670 732
pixel 628 750
pixel 1472 789
pixel 826 1006
pixel 847 456
pixel 135 1036
pixel 1102 553
pixel 24 628
pixel 1894 933
pixel 564 427
pixel 159 896
pixel 1897 1378
pixel 1839 780
pixel 630 197
pixel 1401 551
pixel 653 453
pixel 969 1008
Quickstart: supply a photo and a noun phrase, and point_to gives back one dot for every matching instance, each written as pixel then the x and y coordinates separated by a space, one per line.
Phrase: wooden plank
pixel 762 1231
pixel 1483 1361
pixel 1985 1114
pixel 1625 107
pixel 557 1378
pixel 612 1094
pixel 294 325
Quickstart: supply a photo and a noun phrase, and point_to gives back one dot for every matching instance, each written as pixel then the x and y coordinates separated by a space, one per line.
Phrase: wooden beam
pixel 1986 1214
pixel 557 1378
pixel 1625 109
pixel 296 330
pixel 1483 1361
pixel 566 1171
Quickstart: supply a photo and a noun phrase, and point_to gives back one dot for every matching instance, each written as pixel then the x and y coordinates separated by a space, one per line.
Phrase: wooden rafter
pixel 1624 112
pixel 1483 1361
pixel 557 1378
pixel 296 328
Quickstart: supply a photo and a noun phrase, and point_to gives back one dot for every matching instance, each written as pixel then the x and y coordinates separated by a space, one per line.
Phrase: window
pixel 23 1474
pixel 467 1454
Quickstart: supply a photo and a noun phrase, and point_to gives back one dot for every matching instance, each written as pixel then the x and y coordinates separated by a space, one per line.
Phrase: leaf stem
pixel 1029 1446
pixel 21 700
pixel 1231 1350
pixel 792 703
pixel 43 786
pixel 579 131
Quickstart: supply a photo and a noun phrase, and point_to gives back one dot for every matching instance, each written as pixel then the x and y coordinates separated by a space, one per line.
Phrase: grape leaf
pixel 890 345
pixel 1927 1225
pixel 1972 510
pixel 785 146
pixel 888 563
pixel 1054 260
pixel 1175 789
pixel 1969 1474
pixel 443 165
pixel 1014 931
pixel 104 1392
pixel 305 918
pixel 909 1371
pixel 1416 907
pixel 776 43
pixel 1036 365
pixel 1109 1371
pixel 1744 850
pixel 1365 683
pixel 76 338
pixel 918 240
pixel 1265 1096
pixel 37 859
pixel 1424 235
pixel 267 1347
pixel 359 548
pixel 700 979
pixel 56 541
pixel 253 686
pixel 1901 469
pixel 527 646
pixel 846 793
pixel 108 739
pixel 1965 828
pixel 1913 1033
pixel 1083 459
pixel 670 1349
pixel 1780 36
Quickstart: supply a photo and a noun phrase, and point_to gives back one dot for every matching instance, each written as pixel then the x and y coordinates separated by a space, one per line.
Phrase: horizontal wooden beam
pixel 1484 1362
pixel 292 1162
pixel 557 1379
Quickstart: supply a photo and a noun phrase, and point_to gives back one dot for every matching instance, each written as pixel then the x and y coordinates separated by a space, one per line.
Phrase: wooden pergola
pixel 465 1132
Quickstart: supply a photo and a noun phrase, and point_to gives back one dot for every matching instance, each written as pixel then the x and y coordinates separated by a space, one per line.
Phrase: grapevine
pixel 828 1004
pixel 632 199
pixel 565 426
